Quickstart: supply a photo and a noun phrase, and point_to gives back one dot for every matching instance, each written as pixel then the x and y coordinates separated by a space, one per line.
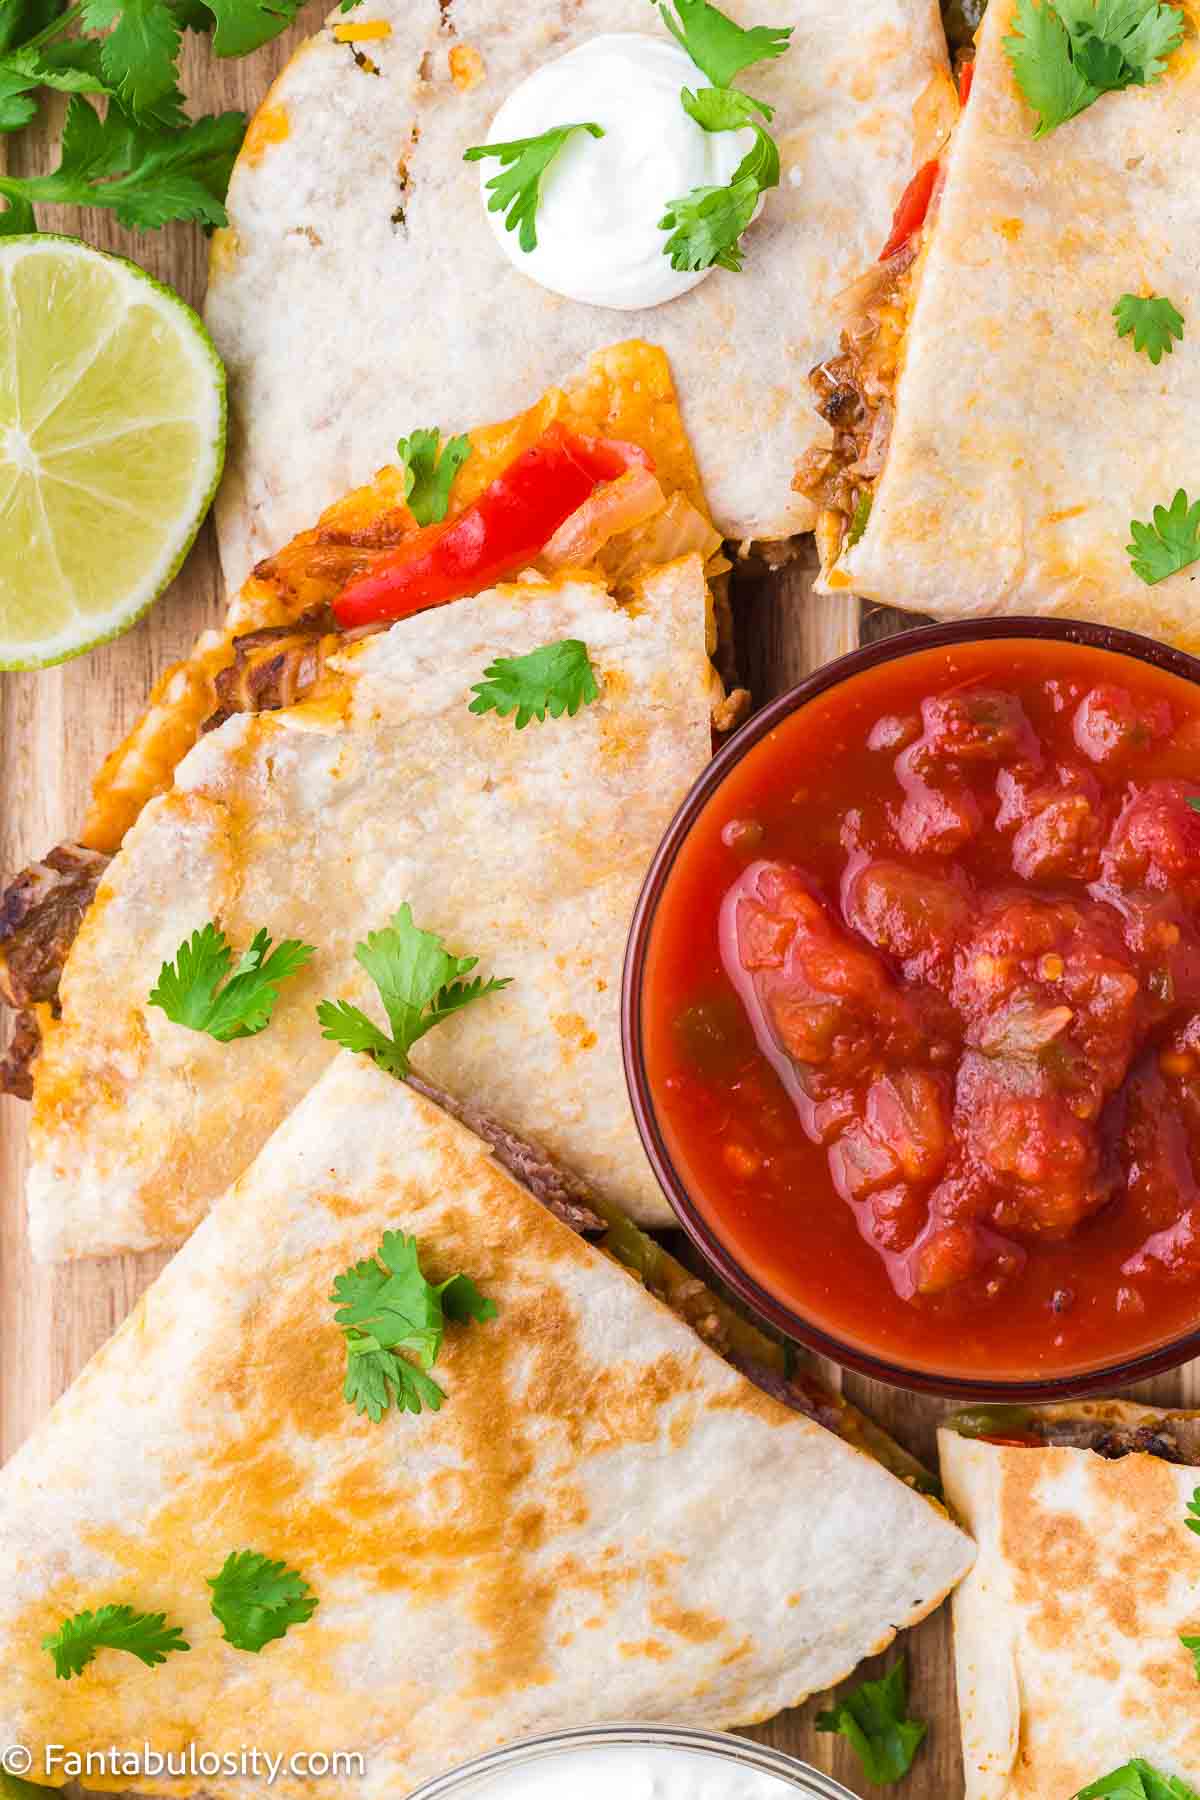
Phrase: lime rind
pixel 84 630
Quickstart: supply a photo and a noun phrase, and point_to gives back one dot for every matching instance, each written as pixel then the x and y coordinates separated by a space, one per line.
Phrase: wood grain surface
pixel 56 726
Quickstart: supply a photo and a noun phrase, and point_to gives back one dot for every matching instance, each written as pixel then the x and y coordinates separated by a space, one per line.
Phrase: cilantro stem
pixel 55 28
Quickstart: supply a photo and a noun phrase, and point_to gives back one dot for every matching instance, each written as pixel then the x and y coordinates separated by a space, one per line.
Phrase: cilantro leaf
pixel 144 1635
pixel 429 476
pixel 1137 1780
pixel 872 1719
pixel 718 46
pixel 1171 543
pixel 256 1599
pixel 723 109
pixel 189 990
pixel 707 223
pixel 556 679
pixel 420 984
pixel 517 191
pixel 385 1305
pixel 72 68
pixel 241 26
pixel 21 20
pixel 1066 53
pixel 147 176
pixel 1192 1644
pixel 139 55
pixel 1193 1520
pixel 1153 323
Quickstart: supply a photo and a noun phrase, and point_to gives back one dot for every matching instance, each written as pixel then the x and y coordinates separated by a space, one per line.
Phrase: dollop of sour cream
pixel 599 239
pixel 634 1772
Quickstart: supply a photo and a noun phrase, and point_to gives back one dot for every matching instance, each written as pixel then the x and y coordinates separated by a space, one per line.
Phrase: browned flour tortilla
pixel 1027 434
pixel 526 849
pixel 358 291
pixel 1067 1631
pixel 603 1521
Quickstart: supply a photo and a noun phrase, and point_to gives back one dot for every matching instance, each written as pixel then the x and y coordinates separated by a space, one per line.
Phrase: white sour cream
pixel 598 231
pixel 630 1772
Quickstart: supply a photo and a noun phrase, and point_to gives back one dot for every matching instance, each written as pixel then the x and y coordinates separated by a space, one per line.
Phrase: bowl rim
pixel 722 1746
pixel 703 1234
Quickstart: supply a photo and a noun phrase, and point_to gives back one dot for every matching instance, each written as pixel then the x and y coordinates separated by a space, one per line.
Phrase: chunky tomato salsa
pixel 922 1009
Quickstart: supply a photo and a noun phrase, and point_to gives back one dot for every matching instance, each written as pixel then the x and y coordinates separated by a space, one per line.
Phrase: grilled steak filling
pixel 40 913
pixel 1174 1437
pixel 853 392
pixel 16 1065
pixel 275 666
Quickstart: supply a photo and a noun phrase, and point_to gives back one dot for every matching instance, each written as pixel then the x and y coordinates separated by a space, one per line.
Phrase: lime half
pixel 112 438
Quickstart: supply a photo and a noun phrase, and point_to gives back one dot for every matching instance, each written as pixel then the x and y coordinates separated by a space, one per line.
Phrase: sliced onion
pixel 871 462
pixel 855 302
pixel 614 507
pixel 675 531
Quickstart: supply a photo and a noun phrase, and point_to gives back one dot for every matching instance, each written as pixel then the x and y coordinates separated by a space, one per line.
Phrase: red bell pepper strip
pixel 914 205
pixel 966 76
pixel 498 534
pixel 1019 1440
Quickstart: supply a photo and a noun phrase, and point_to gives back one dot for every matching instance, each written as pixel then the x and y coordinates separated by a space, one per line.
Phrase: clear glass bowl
pixel 474 1780
pixel 705 1234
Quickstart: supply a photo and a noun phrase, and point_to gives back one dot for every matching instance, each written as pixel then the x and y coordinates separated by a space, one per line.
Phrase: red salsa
pixel 922 1013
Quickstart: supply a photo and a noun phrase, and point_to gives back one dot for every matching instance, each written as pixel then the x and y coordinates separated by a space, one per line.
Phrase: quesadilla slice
pixel 567 1495
pixel 352 183
pixel 1001 420
pixel 311 823
pixel 1069 1633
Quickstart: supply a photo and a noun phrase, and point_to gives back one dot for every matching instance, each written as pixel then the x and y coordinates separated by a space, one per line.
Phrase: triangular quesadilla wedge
pixel 281 618
pixel 996 436
pixel 313 823
pixel 1068 1632
pixel 563 1539
pixel 357 232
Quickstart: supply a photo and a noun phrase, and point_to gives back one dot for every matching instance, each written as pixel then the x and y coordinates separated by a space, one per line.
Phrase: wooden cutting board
pixel 56 726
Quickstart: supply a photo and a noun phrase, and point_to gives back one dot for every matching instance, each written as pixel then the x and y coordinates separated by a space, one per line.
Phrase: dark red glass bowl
pixel 698 1227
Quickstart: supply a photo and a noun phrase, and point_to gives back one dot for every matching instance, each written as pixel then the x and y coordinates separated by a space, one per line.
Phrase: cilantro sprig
pixel 146 176
pixel 429 473
pixel 420 983
pixel 716 43
pixel 1153 322
pixel 1167 543
pixel 1138 1780
pixel 556 679
pixel 706 224
pixel 516 190
pixel 142 157
pixel 191 993
pixel 256 1600
pixel 1066 53
pixel 390 1312
pixel 873 1719
pixel 144 1635
pixel 1192 1644
pixel 1193 1506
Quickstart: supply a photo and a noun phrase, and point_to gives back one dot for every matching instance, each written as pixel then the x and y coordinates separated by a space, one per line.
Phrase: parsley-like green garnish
pixel 386 1306
pixel 256 1599
pixel 1193 1506
pixel 189 990
pixel 873 1721
pixel 723 109
pixel 718 46
pixel 858 523
pixel 1066 53
pixel 420 984
pixel 70 68
pixel 428 476
pixel 706 224
pixel 1138 1780
pixel 1192 1644
pixel 517 191
pixel 144 1635
pixel 146 176
pixel 556 679
pixel 1153 322
pixel 1168 544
